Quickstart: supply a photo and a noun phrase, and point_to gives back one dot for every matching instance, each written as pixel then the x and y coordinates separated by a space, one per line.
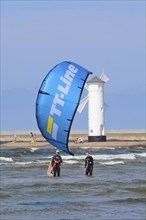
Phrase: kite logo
pixel 52 127
pixel 58 101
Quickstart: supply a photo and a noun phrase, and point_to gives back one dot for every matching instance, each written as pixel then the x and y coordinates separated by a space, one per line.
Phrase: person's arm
pixel 92 160
pixel 60 160
pixel 52 161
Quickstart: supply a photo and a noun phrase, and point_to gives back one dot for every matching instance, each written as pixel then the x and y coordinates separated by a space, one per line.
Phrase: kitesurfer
pixel 88 164
pixel 55 162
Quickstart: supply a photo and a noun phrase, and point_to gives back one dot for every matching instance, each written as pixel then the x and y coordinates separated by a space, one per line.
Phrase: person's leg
pixel 91 170
pixel 58 171
pixel 54 171
pixel 87 170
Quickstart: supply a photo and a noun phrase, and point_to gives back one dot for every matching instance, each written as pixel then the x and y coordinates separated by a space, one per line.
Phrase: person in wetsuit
pixel 88 164
pixel 56 161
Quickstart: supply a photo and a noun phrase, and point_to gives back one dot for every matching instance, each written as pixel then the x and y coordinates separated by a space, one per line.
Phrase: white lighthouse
pixel 96 123
pixel 96 108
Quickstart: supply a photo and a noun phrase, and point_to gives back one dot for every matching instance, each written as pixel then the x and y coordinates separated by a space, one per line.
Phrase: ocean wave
pixel 86 147
pixel 69 157
pixel 141 154
pixel 111 162
pixel 6 159
pixel 32 162
pixel 33 149
pixel 116 156
pixel 130 200
pixel 71 161
pixel 141 190
pixel 24 163
pixel 103 157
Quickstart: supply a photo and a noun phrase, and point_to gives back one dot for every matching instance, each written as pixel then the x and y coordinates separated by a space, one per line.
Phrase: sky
pixel 101 36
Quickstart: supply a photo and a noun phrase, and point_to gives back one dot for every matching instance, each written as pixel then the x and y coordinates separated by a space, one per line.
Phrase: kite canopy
pixel 57 102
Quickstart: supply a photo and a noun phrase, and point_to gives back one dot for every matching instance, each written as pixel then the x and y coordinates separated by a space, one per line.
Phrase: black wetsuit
pixel 56 161
pixel 89 165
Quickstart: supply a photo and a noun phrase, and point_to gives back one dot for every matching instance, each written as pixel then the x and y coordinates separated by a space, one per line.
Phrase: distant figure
pixel 88 164
pixel 34 137
pixel 14 138
pixel 31 138
pixel 56 162
pixel 81 140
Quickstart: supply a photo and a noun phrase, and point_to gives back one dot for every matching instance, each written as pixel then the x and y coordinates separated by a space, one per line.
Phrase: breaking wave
pixel 6 159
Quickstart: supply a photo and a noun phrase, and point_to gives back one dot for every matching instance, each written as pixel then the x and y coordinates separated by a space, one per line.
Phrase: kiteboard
pixel 50 170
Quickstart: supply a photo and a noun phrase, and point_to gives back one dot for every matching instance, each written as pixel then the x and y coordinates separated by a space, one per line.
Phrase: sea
pixel 116 191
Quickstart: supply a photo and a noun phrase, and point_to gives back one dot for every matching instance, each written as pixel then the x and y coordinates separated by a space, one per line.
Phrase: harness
pixel 56 163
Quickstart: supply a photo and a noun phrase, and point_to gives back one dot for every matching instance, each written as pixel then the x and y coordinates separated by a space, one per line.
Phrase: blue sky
pixel 37 35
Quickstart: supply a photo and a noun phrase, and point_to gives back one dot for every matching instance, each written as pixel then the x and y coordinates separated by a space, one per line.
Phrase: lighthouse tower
pixel 96 123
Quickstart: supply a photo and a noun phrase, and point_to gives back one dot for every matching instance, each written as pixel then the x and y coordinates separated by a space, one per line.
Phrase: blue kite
pixel 57 101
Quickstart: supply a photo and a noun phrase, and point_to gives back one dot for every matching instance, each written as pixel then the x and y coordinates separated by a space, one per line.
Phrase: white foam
pixel 106 148
pixel 6 159
pixel 141 154
pixel 24 163
pixel 33 149
pixel 70 161
pixel 102 157
pixel 32 162
pixel 86 147
pixel 42 161
pixel 112 162
pixel 69 157
pixel 112 157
